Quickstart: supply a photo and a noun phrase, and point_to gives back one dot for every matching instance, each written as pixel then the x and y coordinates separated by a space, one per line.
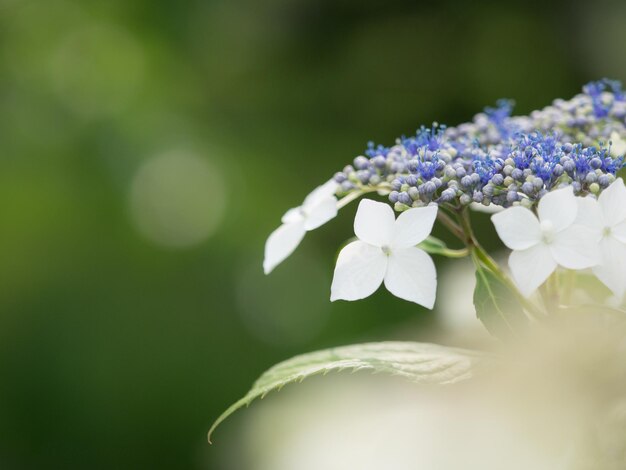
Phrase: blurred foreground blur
pixel 556 401
pixel 147 148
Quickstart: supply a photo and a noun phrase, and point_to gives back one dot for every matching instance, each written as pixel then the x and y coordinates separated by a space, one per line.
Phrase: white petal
pixel 613 203
pixel 559 207
pixel 619 231
pixel 321 213
pixel 374 222
pixel 490 209
pixel 281 243
pixel 611 272
pixel 531 267
pixel 618 145
pixel 320 193
pixel 517 227
pixel 590 214
pixel 411 276
pixel 292 215
pixel 576 247
pixel 413 226
pixel 359 271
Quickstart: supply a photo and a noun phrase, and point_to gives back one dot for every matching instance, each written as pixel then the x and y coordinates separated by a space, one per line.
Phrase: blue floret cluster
pixel 499 158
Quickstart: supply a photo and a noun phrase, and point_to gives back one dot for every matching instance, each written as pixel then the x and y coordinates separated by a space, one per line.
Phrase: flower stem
pixel 451 225
pixel 480 255
pixel 353 196
pixel 450 253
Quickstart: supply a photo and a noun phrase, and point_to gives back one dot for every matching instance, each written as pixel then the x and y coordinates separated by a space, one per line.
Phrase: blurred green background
pixel 148 148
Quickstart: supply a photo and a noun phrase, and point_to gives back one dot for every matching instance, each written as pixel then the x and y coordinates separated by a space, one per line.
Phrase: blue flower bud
pixel 393 196
pixel 528 188
pixel 347 186
pixel 447 195
pixel 412 180
pixel 361 163
pixel 379 162
pixel 363 176
pixel 497 179
pixel 404 198
pixel 339 177
pixel 595 163
pixel 429 187
pixel 603 181
pixel 591 177
pixel 557 170
pixel 512 196
pixel 449 172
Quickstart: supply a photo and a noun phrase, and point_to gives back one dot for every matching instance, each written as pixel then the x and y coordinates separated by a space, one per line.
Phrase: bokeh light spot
pixel 177 199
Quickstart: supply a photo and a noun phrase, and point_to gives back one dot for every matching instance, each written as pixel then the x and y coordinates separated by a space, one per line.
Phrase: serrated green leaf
pixel 418 362
pixel 497 305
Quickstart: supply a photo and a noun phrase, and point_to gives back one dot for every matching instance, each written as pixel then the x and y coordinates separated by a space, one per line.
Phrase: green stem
pixel 451 225
pixel 480 255
pixel 449 253
pixel 344 201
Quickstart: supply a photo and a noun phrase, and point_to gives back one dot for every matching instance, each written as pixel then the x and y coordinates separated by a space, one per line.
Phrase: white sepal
pixel 517 227
pixel 281 243
pixel 318 207
pixel 411 275
pixel 359 271
pixel 386 252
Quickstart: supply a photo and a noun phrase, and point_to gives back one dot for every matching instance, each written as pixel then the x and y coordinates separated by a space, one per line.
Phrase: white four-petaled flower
pixel 386 252
pixel 318 208
pixel 542 243
pixel 606 216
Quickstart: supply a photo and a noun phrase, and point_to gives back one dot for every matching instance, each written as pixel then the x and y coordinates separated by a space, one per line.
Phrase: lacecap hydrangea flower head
pixel 552 182
pixel 550 178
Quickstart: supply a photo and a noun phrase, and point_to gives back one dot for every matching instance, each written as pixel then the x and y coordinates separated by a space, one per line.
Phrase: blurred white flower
pixel 542 243
pixel 318 208
pixel 386 251
pixel 618 145
pixel 606 217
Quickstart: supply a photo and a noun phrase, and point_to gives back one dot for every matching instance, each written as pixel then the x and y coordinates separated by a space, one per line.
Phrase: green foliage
pixel 497 304
pixel 419 362
pixel 434 246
